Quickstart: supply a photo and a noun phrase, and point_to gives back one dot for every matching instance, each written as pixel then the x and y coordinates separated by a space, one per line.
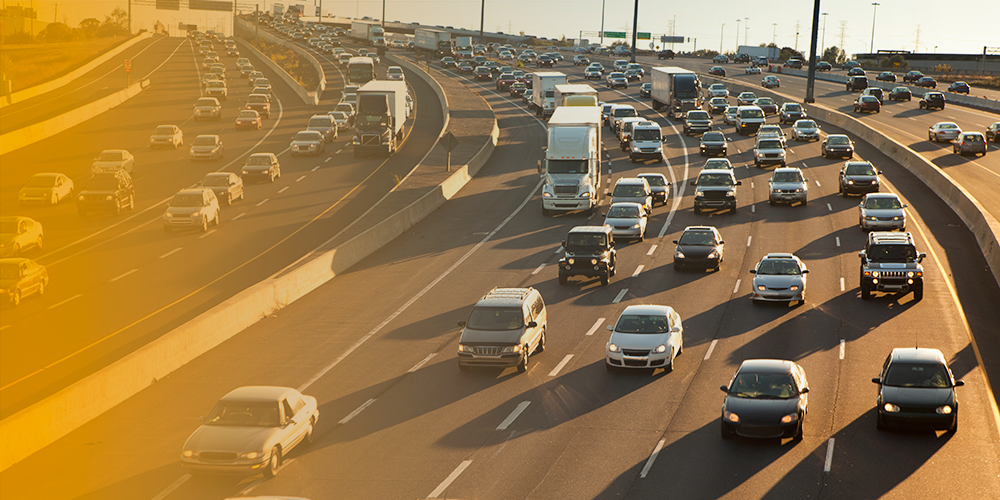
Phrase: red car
pixel 248 118
pixel 912 76
pixel 717 70
pixel 505 80
pixel 868 103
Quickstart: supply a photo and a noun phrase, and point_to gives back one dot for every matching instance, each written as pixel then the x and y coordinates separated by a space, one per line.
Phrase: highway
pixel 117 282
pixel 377 347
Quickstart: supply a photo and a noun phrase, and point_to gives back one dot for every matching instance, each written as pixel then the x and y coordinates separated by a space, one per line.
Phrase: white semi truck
pixel 543 97
pixel 432 42
pixel 380 118
pixel 367 32
pixel 677 89
pixel 574 89
pixel 463 47
pixel 572 164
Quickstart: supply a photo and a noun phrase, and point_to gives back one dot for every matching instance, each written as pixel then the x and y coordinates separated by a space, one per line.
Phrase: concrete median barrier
pixel 49 86
pixel 31 134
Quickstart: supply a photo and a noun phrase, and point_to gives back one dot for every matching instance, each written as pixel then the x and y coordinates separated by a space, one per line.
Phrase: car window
pixel 653 180
pixel 248 114
pixel 764 386
pixel 206 102
pixel 805 124
pixel 204 140
pixel 698 115
pixel 623 212
pixel 188 200
pixel 40 181
pixel 838 141
pixel 629 191
pixel 244 414
pixel 496 318
pixel 216 180
pixel 882 203
pixel 860 169
pixel 307 136
pixel 584 240
pixel 635 323
pixel 646 135
pixel 537 306
pixel 893 253
pixel 751 113
pixel 769 144
pixel 167 130
pixel 715 180
pixel 914 375
pixel 111 156
pixel 778 266
pixel 697 238
pixel 713 137
pixel 625 112
pixel 787 177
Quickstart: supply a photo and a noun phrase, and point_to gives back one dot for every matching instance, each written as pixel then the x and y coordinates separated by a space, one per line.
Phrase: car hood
pixel 109 164
pixel 493 337
pixel 305 143
pixel 917 396
pixel 204 149
pixel 761 411
pixel 883 212
pixel 36 190
pixel 256 168
pixel 696 251
pixel 184 210
pixel 638 340
pixel 809 130
pixel 162 137
pixel 860 178
pixel 714 143
pixel 233 439
pixel 777 280
pixel 789 185
pixel 621 221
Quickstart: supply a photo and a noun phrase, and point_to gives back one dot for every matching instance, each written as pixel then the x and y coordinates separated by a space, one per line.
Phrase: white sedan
pixel 718 90
pixel 753 70
pixel 943 131
pixel 166 135
pixel 113 159
pixel 627 220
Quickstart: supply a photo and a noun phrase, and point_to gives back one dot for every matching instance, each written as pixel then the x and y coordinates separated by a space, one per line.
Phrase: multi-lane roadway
pixel 377 347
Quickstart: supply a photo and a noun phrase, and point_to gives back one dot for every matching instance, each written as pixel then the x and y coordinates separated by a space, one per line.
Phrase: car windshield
pixel 205 102
pixel 869 98
pixel 838 141
pixel 718 163
pixel 719 101
pixel 203 140
pixel 496 318
pixel 748 95
pixel 764 101
pixel 787 177
pixel 769 144
pixel 635 323
pixel 882 203
pixel 319 121
pixel 248 114
pixel 10 270
pixel 257 99
pixel 698 115
pixel 697 238
pixel 646 135
pixel 860 169
pixel 947 126
pixel 715 180
pixel 764 386
pixel 892 253
pixel 216 180
pixel 346 108
pixel 625 112
pixel 623 212
pixel 166 130
pixel 805 125
pixel 568 166
pixel 41 181
pixel 713 137
pixel 751 113
pixel 914 375
pixel 339 115
pixel 793 108
pixel 244 414
pixel 307 136
pixel 655 180
pixel 778 266
pixel 111 156
pixel 188 200
pixel 593 241
pixel 972 138
pixel 717 86
pixel 259 160
pixel 629 191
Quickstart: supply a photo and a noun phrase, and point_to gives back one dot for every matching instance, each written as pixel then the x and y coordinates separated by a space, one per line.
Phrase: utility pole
pixel 257 19
pixel 738 36
pixel 874 11
pixel 746 30
pixel 55 18
pixel 130 18
pixel 721 36
pixel 635 27
pixel 798 29
pixel 482 17
pixel 822 46
pixel 843 33
pixel 811 78
pixel 774 34
pixel 602 22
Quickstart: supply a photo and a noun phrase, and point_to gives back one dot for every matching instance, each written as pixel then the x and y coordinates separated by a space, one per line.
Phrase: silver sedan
pixel 779 277
pixel 627 220
pixel 943 131
pixel 882 212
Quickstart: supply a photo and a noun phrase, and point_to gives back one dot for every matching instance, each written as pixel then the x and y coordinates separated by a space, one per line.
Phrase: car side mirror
pixel 739 183
pixel 532 324
pixel 880 172
pixel 861 254
pixel 959 383
pixel 675 329
pixel 921 256
pixel 723 388
pixel 610 328
pixel 805 271
pixel 804 390
pixel 461 324
pixel 904 205
pixel 862 205
pixel 877 380
pixel 753 271
pixel 675 242
pixel 290 421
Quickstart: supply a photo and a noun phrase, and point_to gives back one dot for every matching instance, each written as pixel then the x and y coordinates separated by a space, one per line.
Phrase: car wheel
pixel 131 202
pixel 798 433
pixel 606 278
pixel 725 433
pixel 204 224
pixel 523 365
pixel 309 438
pixel 273 463
pixel 15 250
pixel 918 292
pixel 216 221
pixel 541 342
pixel 54 200
pixel 15 297
pixel 41 289
pixel 38 243
pixel 229 198
pixel 866 291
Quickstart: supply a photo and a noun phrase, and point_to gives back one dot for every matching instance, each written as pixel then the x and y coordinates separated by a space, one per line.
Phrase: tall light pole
pixel 635 28
pixel 482 17
pixel 738 35
pixel 874 11
pixel 746 29
pixel 774 35
pixel 602 21
pixel 722 35
pixel 822 46
pixel 811 75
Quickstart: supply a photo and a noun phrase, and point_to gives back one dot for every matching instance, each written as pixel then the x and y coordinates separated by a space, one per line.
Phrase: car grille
pixel 95 197
pixel 715 195
pixel 635 352
pixel 635 362
pixel 370 139
pixel 218 456
pixel 622 228
pixel 885 219
pixel 787 191
pixel 906 409
pixel 570 189
pixel 892 274
pixel 862 183
pixel 762 431
pixel 487 350
pixel 181 216
pixel 647 150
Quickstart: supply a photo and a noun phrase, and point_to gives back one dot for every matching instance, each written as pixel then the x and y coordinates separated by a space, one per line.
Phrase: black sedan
pixel 717 71
pixel 959 88
pixel 464 67
pixel 917 389
pixel 823 66
pixel 900 94
pixel 699 247
pixel 926 81
pixel 767 398
pixel 645 90
pixel 544 61
pixel 886 76
pixel 713 143
pixel 858 177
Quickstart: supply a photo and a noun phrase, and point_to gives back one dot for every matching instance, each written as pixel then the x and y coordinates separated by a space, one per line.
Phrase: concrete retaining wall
pixel 49 86
pixel 39 425
pixel 31 134
pixel 308 97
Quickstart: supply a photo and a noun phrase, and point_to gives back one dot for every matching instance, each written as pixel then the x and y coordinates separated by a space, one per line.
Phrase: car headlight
pixel 546 194
pixel 794 288
pixel 730 416
pixel 775 191
pixel 245 172
pixel 465 348
pixel 850 182
pixel 613 348
pixel 168 215
pixel 875 274
pixel 870 217
pixel 714 254
pixel 253 454
pixel 512 348
pixel 80 198
pixel 188 453
pixel 761 287
pixel 891 408
pixel 791 417
pixel 943 410
pixel 699 194
pixel 585 194
pixel 593 261
pixel 660 349
pixel 909 274
pixel 679 255
pixel 107 198
pixel 571 261
pixel 635 226
pixel 731 192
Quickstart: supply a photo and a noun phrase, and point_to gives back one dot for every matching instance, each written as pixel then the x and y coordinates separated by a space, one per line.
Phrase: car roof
pixel 881 195
pixel 787 169
pixel 259 393
pixel 651 174
pixel 918 355
pixel 701 228
pixel 199 190
pixel 766 366
pixel 590 229
pixel 647 310
pixel 262 154
pixel 510 297
pixel 46 174
pixel 630 180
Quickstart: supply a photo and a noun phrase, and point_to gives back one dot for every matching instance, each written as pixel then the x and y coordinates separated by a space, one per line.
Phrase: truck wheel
pixel 563 279
pixel 523 366
pixel 918 292
pixel 606 278
pixel 866 291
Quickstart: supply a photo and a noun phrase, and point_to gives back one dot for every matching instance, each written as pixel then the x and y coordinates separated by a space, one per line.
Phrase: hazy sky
pixel 898 24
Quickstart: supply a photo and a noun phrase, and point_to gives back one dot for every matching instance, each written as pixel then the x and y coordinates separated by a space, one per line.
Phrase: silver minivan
pixel 635 190
pixel 324 124
pixel 506 327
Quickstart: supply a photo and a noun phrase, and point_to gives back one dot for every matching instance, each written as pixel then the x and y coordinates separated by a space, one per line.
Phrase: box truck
pixel 572 164
pixel 755 53
pixel 574 89
pixel 677 89
pixel 432 42
pixel 543 97
pixel 380 117
pixel 463 47
pixel 367 32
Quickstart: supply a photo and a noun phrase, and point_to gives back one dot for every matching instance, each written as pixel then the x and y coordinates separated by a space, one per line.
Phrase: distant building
pixel 20 19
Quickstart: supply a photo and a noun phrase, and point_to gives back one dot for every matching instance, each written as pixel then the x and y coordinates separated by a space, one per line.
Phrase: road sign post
pixel 450 143
pixel 128 72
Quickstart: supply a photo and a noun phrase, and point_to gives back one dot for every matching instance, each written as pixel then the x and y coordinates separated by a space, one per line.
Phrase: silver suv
pixel 505 328
pixel 768 150
pixel 788 185
pixel 635 190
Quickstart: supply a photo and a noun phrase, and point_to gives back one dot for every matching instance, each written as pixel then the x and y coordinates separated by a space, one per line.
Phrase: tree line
pixel 115 24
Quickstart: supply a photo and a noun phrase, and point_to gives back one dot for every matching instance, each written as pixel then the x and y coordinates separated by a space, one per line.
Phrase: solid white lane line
pixel 173 486
pixel 841 284
pixel 300 178
pixel 711 348
pixel 122 276
pixel 538 269
pixel 261 202
pixel 326 369
pixel 620 296
pixel 315 168
pixel 652 458
pixel 817 184
pixel 168 254
pixel 804 165
pixel 638 270
pixel 753 208
pixel 421 363
pixel 829 207
pixel 513 415
pixel 53 306
pixel 736 288
pixel 240 216
pixel 751 184
pixel 842 347
pixel 838 241
pixel 597 324
pixel 451 478
pixel 206 234
pixel 282 190
pixel 829 456
pixel 651 250
pixel 555 371
pixel 356 412
pixel 749 239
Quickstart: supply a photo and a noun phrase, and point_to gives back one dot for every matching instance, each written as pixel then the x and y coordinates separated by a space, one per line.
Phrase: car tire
pixel 541 343
pixel 563 279
pixel 274 463
pixel 799 432
pixel 866 291
pixel 606 278
pixel 204 224
pixel 728 436
pixel 41 288
pixel 15 297
pixel 309 438
pixel 523 365
pixel 918 293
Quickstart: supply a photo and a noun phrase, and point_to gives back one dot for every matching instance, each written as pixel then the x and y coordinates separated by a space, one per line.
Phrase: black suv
pixel 858 177
pixel 107 192
pixel 793 63
pixel 932 100
pixel 890 263
pixel 857 83
pixel 590 251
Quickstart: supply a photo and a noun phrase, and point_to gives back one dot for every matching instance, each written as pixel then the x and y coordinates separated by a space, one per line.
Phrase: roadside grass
pixel 32 64
pixel 295 65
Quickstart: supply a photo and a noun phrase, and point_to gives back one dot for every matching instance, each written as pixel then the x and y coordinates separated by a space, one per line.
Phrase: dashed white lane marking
pixel 4 327
pixel 282 190
pixel 168 254
pixel 53 306
pixel 206 234
pixel 123 275
pixel 421 363
pixel 451 478
pixel 842 347
pixel 817 184
pixel 805 166
pixel 751 184
pixel 240 216
pixel 736 288
pixel 638 270
pixel 170 489
pixel 749 239
pixel 559 250
pixel 561 365
pixel 597 324
pixel 829 456
pixel 753 208
pixel 315 168
pixel 652 458
pixel 841 284
pixel 356 412
pixel 261 202
pixel 838 240
pixel 620 296
pixel 538 269
pixel 651 250
pixel 829 207
pixel 711 348
pixel 513 415
pixel 300 178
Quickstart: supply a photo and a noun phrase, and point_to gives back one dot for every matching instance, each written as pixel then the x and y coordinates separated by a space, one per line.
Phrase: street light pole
pixel 738 35
pixel 746 29
pixel 635 28
pixel 774 35
pixel 822 46
pixel 722 35
pixel 811 76
pixel 602 22
pixel 482 17
pixel 874 11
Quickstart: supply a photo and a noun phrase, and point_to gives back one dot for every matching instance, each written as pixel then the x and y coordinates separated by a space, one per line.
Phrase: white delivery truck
pixel 463 47
pixel 574 89
pixel 543 96
pixel 381 114
pixel 432 42
pixel 677 89
pixel 367 31
pixel 572 164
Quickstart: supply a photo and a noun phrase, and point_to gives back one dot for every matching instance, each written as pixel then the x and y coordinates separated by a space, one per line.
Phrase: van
pixel 506 327
pixel 325 125
pixel 749 119
pixel 634 190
